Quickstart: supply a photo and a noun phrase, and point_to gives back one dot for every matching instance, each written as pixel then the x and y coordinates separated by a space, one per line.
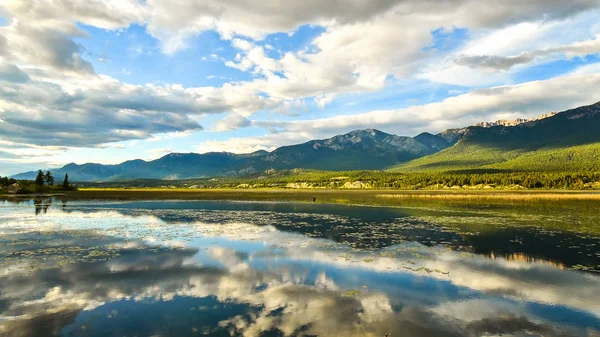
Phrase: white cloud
pixel 252 144
pixel 169 135
pixel 241 44
pixel 359 55
pixel 493 55
pixel 101 109
pixel 495 62
pixel 11 73
pixel 159 151
pixel 40 32
pixel 231 122
pixel 176 21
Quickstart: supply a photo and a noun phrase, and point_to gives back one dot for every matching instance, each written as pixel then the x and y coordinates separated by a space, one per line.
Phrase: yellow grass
pixel 498 196
pixel 382 194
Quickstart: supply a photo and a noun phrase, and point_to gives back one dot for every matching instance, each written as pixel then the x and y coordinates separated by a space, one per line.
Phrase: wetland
pixel 350 264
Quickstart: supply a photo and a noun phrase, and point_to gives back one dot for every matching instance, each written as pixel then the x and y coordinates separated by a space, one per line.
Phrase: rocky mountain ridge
pixel 371 149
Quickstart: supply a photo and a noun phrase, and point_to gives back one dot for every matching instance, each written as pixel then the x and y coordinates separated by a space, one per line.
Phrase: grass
pixel 374 197
pixel 365 197
pixel 524 196
pixel 459 157
pixel 464 156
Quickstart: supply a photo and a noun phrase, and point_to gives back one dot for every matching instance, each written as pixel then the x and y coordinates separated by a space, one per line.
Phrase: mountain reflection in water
pixel 275 269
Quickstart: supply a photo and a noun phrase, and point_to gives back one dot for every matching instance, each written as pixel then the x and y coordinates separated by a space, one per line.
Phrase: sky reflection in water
pixel 276 269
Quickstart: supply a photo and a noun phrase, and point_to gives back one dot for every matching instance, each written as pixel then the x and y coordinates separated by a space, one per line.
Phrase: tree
pixel 49 178
pixel 40 178
pixel 5 181
pixel 66 181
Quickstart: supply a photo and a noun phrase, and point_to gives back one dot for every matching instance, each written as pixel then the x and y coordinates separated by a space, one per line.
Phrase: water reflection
pixel 366 228
pixel 526 258
pixel 132 270
pixel 42 205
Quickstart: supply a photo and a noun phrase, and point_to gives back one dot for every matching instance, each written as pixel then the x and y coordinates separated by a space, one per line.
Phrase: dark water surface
pixel 187 268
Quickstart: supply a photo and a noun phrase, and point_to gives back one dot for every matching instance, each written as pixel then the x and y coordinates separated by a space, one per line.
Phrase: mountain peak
pixel 178 154
pixel 514 122
pixel 453 135
pixel 366 133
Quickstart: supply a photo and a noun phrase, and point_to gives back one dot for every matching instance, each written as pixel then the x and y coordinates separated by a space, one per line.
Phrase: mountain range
pixel 565 141
pixel 568 141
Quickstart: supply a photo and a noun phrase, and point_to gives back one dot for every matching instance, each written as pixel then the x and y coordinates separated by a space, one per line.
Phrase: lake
pixel 226 268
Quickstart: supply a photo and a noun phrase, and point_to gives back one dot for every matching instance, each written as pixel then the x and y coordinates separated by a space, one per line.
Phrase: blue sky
pixel 118 80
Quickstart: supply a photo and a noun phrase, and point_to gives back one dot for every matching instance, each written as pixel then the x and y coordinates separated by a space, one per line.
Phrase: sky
pixel 108 81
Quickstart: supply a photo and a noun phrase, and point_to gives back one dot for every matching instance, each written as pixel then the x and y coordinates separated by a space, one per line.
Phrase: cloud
pixel 11 73
pixel 231 122
pixel 19 157
pixel 492 57
pixel 176 21
pixel 41 32
pixel 96 112
pixel 527 99
pixel 8 155
pixel 46 47
pixel 159 151
pixel 360 54
pixel 364 41
pixel 581 48
pixel 253 19
pixel 251 144
pixel 101 109
pixel 170 135
pixel 493 62
pixel 109 14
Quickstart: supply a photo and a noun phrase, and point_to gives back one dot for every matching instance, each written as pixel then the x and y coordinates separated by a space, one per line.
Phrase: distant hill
pixel 566 141
pixel 357 150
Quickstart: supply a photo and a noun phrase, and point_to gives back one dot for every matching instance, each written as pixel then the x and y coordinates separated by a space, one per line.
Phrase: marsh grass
pixel 525 196
pixel 330 196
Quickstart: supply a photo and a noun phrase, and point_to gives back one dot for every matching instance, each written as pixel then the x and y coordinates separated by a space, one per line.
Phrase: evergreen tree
pixel 5 181
pixel 40 179
pixel 66 181
pixel 49 178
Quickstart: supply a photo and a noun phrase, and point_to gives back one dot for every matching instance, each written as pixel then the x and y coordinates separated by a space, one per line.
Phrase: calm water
pixel 181 268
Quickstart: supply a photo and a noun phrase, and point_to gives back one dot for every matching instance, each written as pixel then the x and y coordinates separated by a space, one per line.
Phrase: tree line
pixel 384 180
pixel 6 181
pixel 44 181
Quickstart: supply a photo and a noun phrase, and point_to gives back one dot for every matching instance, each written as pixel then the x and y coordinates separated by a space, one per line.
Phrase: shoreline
pixel 386 197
